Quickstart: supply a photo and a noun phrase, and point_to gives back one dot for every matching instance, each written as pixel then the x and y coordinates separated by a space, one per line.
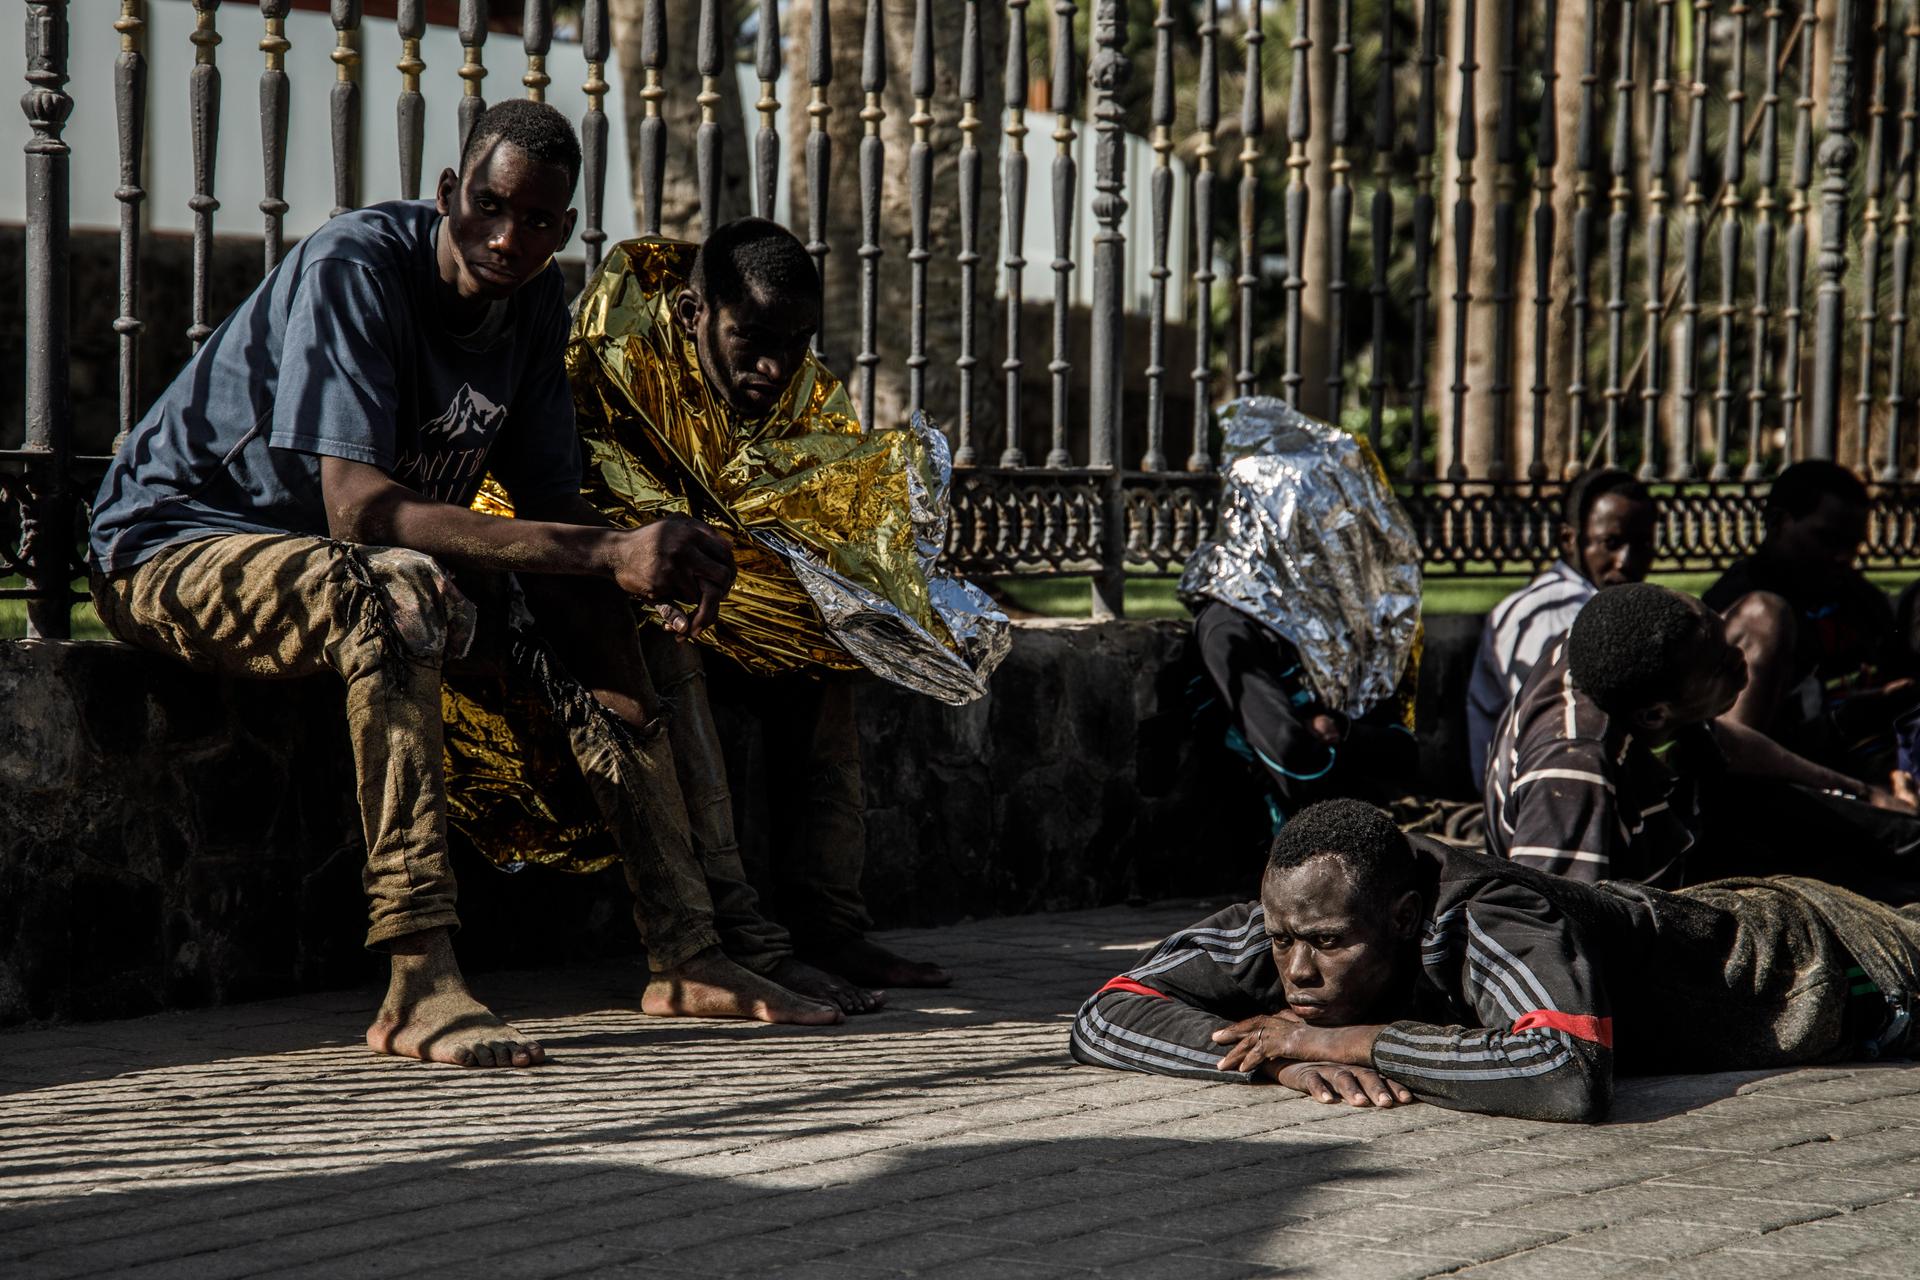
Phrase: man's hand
pixel 1900 795
pixel 1268 1038
pixel 1329 728
pixel 1337 1082
pixel 676 558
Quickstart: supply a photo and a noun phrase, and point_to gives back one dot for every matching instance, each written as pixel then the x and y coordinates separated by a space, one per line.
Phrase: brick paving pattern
pixel 950 1136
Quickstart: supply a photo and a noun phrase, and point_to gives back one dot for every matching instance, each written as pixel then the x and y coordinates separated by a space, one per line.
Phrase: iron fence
pixel 1507 374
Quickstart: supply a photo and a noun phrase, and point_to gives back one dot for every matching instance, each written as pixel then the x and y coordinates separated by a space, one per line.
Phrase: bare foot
pixel 712 986
pixel 872 965
pixel 429 1014
pixel 821 985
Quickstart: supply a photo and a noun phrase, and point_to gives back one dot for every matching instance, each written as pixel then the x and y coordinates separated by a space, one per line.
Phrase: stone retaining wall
pixel 169 839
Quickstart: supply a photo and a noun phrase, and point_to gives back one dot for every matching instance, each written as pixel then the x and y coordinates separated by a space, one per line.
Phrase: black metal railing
pixel 1538 366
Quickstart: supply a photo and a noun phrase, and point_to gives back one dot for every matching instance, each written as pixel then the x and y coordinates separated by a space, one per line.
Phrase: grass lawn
pixel 1473 593
pixel 13 615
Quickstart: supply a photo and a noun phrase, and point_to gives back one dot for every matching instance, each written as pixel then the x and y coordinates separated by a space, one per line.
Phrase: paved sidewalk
pixel 951 1136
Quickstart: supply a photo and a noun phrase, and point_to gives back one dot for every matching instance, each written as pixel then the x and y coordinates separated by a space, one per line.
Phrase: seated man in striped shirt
pixel 1618 761
pixel 1606 538
pixel 1377 969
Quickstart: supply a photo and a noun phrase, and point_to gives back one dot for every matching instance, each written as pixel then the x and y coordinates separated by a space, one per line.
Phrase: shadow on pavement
pixel 994 1209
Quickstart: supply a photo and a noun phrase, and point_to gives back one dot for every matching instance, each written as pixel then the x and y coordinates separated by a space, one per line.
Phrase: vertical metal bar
pixel 1870 233
pixel 1586 165
pixel 1466 151
pixel 1733 170
pixel 919 200
pixel 653 124
pixel 1798 207
pixel 706 135
pixel 873 82
pixel 46 518
pixel 594 47
pixel 273 127
pixel 1206 118
pixel 1065 172
pixel 411 109
pixel 1013 205
pixel 819 144
pixel 1340 198
pixel 1381 218
pixel 130 112
pixel 766 143
pixel 1155 458
pixel 1299 129
pixel 1423 214
pixel 1659 143
pixel 1763 233
pixel 1902 245
pixel 536 39
pixel 1693 230
pixel 1618 197
pixel 1108 71
pixel 343 104
pixel 473 69
pixel 1836 159
pixel 1548 156
pixel 1107 74
pixel 972 57
pixel 203 96
pixel 1505 241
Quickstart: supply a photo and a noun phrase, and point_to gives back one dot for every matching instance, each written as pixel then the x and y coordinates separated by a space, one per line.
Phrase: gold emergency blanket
pixel 835 534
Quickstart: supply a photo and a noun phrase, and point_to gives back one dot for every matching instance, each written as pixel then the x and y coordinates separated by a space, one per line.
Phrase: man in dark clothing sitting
pixel 1377 969
pixel 1618 760
pixel 1829 670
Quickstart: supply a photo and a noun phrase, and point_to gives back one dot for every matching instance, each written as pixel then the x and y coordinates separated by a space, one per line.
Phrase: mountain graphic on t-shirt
pixel 469 421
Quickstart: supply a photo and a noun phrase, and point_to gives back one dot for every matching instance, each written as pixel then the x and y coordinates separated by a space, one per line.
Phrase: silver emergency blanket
pixel 881 635
pixel 1311 541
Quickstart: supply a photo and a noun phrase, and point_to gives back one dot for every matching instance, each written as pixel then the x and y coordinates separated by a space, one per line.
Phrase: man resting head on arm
pixel 1376 969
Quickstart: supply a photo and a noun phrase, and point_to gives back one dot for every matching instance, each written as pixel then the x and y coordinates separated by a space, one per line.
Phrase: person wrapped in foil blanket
pixel 1306 609
pixel 695 395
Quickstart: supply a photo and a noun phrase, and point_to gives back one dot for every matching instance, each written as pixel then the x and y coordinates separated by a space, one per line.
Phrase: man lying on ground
pixel 1375 970
pixel 1606 539
pixel 1618 761
pixel 287 505
pixel 1830 673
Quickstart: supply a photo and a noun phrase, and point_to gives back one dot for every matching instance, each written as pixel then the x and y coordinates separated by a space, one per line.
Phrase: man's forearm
pixel 456 534
pixel 1753 754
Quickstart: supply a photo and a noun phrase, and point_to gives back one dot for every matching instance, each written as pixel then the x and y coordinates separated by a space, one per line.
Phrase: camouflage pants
pixel 284 606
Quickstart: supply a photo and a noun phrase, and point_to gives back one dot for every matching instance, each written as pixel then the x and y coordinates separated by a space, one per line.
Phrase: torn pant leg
pixel 752 939
pixel 284 606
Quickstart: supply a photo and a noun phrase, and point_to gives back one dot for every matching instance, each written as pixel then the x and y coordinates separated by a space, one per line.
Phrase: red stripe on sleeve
pixel 1581 1025
pixel 1124 983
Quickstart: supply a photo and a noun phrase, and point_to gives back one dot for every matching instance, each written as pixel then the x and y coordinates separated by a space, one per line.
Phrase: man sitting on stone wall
pixel 1831 673
pixel 697 394
pixel 1618 761
pixel 285 509
pixel 1375 970
pixel 1606 538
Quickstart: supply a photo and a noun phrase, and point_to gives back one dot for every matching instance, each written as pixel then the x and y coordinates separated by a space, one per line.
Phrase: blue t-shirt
pixel 341 352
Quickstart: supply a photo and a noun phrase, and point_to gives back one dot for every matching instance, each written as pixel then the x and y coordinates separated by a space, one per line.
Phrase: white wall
pixel 238 169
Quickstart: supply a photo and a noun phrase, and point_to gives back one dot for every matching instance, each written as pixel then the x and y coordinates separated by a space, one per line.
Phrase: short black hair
pixel 1377 857
pixel 752 255
pixel 1633 645
pixel 1798 490
pixel 535 127
pixel 1592 485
